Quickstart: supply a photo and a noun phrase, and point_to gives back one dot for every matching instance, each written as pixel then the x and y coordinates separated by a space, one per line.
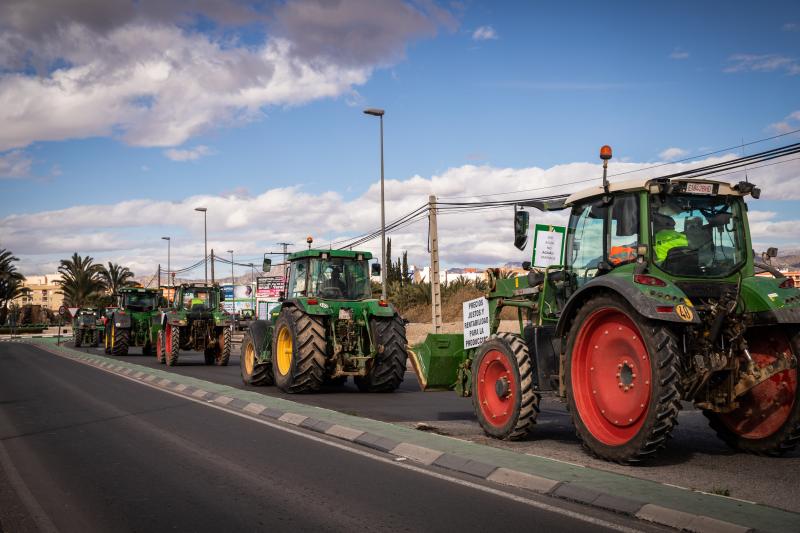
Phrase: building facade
pixel 43 291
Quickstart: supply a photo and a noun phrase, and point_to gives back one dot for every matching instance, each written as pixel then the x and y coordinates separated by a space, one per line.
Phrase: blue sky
pixel 484 85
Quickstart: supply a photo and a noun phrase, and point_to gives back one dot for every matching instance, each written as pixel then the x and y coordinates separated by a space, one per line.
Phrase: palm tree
pixel 11 282
pixel 80 281
pixel 115 277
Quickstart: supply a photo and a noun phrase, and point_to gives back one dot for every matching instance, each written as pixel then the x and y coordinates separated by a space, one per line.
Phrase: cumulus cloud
pixel 131 229
pixel 484 33
pixel 672 153
pixel 189 154
pixel 762 63
pixel 141 72
pixel 790 123
pixel 678 53
pixel 14 165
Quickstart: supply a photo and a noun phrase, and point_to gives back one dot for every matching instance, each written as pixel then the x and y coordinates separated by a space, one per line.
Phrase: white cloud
pixel 137 72
pixel 762 63
pixel 190 154
pixel 678 53
pixel 130 231
pixel 791 26
pixel 790 123
pixel 484 33
pixel 15 165
pixel 672 153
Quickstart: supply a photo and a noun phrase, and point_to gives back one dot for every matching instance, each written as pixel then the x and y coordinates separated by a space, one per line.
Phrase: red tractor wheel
pixel 621 380
pixel 502 387
pixel 767 420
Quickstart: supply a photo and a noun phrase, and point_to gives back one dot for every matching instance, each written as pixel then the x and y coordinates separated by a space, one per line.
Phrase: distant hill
pixel 787 259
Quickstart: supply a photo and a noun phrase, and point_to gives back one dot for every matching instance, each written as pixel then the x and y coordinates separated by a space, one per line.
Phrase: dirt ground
pixel 416 331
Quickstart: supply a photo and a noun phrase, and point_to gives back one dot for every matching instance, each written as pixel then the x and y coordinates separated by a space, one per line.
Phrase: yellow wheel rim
pixel 113 334
pixel 249 359
pixel 284 349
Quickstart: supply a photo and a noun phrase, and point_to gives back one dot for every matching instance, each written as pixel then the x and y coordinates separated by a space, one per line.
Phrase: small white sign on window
pixel 476 322
pixel 548 243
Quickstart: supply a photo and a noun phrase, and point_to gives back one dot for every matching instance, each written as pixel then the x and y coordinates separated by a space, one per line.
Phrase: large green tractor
pixel 657 301
pixel 87 327
pixel 195 321
pixel 131 322
pixel 326 328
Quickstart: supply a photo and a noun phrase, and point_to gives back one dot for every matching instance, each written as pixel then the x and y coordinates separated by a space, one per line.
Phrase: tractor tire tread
pixel 389 366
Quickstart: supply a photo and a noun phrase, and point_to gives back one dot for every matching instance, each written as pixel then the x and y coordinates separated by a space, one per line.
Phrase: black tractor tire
pixel 77 337
pixel 786 434
pixel 224 343
pixel 506 408
pixel 120 340
pixel 209 354
pixel 147 349
pixel 389 366
pixel 607 345
pixel 305 371
pixel 95 338
pixel 107 338
pixel 173 343
pixel 253 373
pixel 161 347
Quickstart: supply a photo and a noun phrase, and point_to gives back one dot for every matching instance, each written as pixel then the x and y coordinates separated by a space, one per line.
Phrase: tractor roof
pixel 199 285
pixel 723 188
pixel 141 290
pixel 348 254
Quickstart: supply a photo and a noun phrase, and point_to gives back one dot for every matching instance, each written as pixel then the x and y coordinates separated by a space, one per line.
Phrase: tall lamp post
pixel 379 113
pixel 233 283
pixel 205 236
pixel 169 254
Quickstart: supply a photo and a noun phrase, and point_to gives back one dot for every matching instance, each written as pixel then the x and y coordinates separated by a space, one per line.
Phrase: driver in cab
pixel 335 281
pixel 666 238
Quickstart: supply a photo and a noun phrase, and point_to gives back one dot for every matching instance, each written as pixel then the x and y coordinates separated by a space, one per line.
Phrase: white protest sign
pixel 548 244
pixel 476 322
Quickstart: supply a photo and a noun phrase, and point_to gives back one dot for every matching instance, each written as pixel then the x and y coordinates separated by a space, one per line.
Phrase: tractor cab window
pixel 139 301
pixel 602 236
pixel 696 235
pixel 194 297
pixel 298 279
pixel 340 278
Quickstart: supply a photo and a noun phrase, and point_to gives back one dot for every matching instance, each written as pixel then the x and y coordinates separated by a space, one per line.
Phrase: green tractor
pixel 131 322
pixel 195 321
pixel 657 301
pixel 326 328
pixel 87 327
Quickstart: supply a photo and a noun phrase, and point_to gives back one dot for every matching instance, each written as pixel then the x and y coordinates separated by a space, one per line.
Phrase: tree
pixel 81 280
pixel 116 277
pixel 11 282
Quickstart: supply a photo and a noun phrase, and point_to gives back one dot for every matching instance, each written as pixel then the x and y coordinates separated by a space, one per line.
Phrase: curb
pixel 565 490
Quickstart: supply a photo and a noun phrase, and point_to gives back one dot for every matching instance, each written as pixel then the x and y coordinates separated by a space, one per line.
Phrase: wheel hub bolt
pixel 502 387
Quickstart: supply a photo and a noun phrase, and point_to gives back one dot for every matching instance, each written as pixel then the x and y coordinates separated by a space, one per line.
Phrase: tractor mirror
pixel 221 296
pixel 267 265
pixel 376 269
pixel 772 252
pixel 526 265
pixel 521 221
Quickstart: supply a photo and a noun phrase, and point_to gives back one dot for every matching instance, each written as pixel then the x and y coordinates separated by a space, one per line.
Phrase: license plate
pixel 700 188
pixel 345 314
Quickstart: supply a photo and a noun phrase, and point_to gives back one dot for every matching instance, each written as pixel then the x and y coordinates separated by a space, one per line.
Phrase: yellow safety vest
pixel 666 240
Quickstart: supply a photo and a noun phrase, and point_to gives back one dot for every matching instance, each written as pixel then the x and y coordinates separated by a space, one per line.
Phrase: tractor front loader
pixel 327 328
pixel 195 321
pixel 657 301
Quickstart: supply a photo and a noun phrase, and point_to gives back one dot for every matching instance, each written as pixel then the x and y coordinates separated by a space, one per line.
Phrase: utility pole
pixel 379 113
pixel 212 268
pixel 233 284
pixel 436 294
pixel 159 276
pixel 205 243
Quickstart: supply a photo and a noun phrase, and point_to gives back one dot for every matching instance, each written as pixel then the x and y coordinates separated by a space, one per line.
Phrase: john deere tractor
pixel 657 301
pixel 131 322
pixel 195 321
pixel 326 328
pixel 87 327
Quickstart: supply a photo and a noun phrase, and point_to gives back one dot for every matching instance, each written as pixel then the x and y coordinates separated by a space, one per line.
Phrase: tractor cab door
pixel 601 237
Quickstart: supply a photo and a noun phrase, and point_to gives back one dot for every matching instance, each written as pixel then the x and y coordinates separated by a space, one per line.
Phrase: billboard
pixel 269 286
pixel 243 300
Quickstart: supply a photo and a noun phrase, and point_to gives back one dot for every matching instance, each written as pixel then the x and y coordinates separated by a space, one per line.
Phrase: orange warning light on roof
pixel 605 152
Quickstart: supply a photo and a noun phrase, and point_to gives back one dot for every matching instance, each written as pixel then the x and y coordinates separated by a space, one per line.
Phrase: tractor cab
pixel 329 275
pixel 137 299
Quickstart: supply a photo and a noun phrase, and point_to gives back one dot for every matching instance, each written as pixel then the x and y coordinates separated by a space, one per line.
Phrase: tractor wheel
pixel 173 344
pixel 223 352
pixel 622 380
pixel 209 354
pixel 120 337
pixel 298 349
pixel 502 387
pixel 767 421
pixel 107 338
pixel 77 335
pixel 95 338
pixel 253 372
pixel 389 366
pixel 161 347
pixel 147 349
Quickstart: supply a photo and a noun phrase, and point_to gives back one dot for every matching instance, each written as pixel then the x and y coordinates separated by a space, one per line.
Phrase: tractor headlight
pixel 119 324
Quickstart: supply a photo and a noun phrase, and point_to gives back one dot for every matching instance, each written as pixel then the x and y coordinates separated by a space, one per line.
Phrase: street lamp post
pixel 205 237
pixel 379 113
pixel 169 254
pixel 233 283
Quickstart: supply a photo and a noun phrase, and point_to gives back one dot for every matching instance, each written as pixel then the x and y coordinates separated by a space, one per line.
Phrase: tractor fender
pixel 260 330
pixel 624 287
pixel 121 320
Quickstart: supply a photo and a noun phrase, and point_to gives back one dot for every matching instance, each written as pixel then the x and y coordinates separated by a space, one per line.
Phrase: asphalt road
pixel 695 458
pixel 83 450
